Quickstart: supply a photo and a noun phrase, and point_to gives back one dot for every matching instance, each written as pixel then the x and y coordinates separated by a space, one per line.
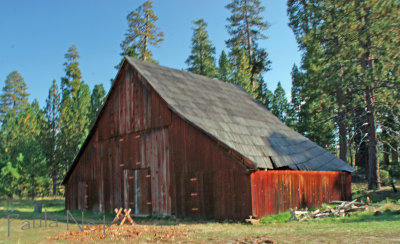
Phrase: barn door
pixel 137 191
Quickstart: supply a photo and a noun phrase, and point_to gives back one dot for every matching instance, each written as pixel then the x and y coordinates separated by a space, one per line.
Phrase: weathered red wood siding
pixel 276 191
pixel 130 134
pixel 191 174
pixel 206 180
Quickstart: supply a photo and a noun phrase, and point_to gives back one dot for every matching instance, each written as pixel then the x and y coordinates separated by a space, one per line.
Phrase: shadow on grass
pixel 361 193
pixel 59 216
pixel 50 205
pixel 97 218
pixel 388 215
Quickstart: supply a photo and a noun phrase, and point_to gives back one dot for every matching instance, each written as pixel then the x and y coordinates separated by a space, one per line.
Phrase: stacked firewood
pixel 342 209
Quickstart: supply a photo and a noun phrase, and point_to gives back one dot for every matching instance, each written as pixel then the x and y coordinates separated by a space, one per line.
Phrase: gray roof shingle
pixel 232 116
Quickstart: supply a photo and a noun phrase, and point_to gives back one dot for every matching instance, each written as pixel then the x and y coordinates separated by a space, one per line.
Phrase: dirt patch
pixel 254 239
pixel 131 233
pixel 150 234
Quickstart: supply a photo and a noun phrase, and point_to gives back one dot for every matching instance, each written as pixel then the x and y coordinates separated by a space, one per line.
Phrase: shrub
pixel 385 177
pixel 277 218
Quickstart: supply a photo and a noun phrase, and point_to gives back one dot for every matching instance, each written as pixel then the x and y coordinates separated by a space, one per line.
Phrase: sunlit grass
pixel 360 227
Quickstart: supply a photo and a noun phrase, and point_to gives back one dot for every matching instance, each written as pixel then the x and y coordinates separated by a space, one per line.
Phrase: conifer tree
pixel 97 99
pixel 32 160
pixel 350 53
pixel 23 168
pixel 241 73
pixel 280 104
pixel 297 98
pixel 15 96
pixel 201 60
pixel 142 33
pixel 50 132
pixel 246 27
pixel 224 71
pixel 75 104
pixel 9 135
pixel 71 81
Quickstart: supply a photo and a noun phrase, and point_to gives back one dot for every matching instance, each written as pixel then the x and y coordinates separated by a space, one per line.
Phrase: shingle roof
pixel 229 114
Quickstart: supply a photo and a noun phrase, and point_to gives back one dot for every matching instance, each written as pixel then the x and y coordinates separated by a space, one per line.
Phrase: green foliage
pixel 246 27
pixel 349 49
pixel 297 97
pixel 142 33
pixel 24 163
pixel 15 96
pixel 74 110
pixel 9 177
pixel 201 60
pixel 241 72
pixel 50 131
pixel 37 146
pixel 280 105
pixel 276 218
pixel 224 71
pixel 71 82
pixel 96 101
pixel 385 177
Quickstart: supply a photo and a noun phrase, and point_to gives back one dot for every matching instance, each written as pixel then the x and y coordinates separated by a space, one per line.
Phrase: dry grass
pixel 362 227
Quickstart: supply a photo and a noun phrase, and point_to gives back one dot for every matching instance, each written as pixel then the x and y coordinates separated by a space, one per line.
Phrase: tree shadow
pixel 101 217
pixel 385 216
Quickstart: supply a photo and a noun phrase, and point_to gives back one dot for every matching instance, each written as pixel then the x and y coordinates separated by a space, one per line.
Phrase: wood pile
pixel 120 217
pixel 342 209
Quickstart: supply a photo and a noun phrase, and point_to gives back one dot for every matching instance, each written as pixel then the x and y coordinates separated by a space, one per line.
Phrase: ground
pixel 363 227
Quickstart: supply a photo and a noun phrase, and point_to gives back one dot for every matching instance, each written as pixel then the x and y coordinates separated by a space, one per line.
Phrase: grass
pixel 361 227
pixel 360 191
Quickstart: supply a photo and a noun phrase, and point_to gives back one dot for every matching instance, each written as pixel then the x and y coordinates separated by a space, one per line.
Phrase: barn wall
pixel 130 134
pixel 206 181
pixel 276 191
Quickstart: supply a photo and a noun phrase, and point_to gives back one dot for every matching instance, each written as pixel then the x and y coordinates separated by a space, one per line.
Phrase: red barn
pixel 172 143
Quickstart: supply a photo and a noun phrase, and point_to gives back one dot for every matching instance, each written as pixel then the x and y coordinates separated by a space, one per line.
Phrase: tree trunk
pixel 146 38
pixel 373 164
pixel 342 125
pixel 360 144
pixel 249 47
pixel 368 79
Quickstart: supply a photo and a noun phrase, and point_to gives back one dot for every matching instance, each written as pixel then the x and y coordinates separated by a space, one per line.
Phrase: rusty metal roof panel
pixel 230 115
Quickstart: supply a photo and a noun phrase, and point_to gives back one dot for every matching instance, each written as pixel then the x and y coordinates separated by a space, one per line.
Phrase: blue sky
pixel 34 36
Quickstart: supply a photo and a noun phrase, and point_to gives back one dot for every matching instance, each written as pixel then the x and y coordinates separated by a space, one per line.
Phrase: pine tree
pixel 297 98
pixel 50 132
pixel 9 135
pixel 349 49
pixel 33 163
pixel 15 96
pixel 142 33
pixel 280 104
pixel 241 73
pixel 224 71
pixel 75 105
pixel 97 99
pixel 201 60
pixel 23 168
pixel 246 27
pixel 72 80
pixel 378 55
